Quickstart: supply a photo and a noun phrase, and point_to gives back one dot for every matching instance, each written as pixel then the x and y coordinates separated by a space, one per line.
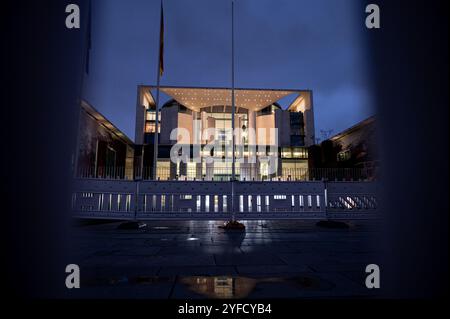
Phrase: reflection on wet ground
pixel 182 260
pixel 217 287
pixel 241 287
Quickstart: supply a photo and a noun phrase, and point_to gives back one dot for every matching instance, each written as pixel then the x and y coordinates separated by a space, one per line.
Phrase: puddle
pixel 217 287
pixel 229 287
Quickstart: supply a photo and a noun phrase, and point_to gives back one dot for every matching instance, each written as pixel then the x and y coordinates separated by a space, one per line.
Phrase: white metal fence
pixel 224 174
pixel 146 200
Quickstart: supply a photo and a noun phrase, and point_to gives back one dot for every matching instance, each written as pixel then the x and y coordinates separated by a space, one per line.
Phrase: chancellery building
pixel 264 128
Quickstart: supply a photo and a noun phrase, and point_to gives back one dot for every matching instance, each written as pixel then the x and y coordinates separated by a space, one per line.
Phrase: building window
pixel 294 169
pixel 344 156
pixel 184 109
pixel 163 170
pixel 300 152
pixel 296 120
pixel 149 127
pixel 297 140
pixel 294 152
pixel 286 152
pixel 267 110
pixel 151 116
pixel 150 120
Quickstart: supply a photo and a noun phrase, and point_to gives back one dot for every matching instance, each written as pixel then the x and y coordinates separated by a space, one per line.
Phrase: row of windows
pixel 221 109
pixel 268 110
pixel 294 152
pixel 151 115
pixel 150 127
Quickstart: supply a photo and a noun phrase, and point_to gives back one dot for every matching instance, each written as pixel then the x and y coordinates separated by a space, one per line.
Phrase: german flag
pixel 161 43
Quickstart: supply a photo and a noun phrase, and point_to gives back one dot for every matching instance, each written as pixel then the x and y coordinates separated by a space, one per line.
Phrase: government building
pixel 264 129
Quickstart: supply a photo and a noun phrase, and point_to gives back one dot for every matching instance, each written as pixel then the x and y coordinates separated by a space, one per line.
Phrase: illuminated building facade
pixel 204 115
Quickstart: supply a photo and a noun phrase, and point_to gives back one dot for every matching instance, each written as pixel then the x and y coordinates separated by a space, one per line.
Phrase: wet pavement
pixel 190 260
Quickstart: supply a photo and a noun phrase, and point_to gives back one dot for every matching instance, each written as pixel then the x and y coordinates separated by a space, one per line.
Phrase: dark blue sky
pixel 298 44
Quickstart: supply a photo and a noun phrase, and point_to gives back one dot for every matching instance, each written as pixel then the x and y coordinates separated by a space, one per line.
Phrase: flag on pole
pixel 161 43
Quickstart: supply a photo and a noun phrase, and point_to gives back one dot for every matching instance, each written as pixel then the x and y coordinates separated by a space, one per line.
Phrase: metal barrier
pixel 153 200
pixel 224 174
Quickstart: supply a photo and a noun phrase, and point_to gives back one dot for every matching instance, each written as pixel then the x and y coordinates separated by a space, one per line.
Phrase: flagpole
pixel 233 111
pixel 158 81
pixel 233 224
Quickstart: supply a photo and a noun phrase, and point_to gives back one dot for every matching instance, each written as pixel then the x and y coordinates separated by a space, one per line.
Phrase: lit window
pixel 149 127
pixel 286 152
pixel 344 156
pixel 151 116
pixel 299 152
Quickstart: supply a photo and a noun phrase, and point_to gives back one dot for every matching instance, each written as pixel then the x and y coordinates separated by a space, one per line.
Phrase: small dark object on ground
pixel 332 224
pixel 233 225
pixel 132 225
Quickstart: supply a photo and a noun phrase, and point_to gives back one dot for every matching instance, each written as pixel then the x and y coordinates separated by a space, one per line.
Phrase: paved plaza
pixel 197 259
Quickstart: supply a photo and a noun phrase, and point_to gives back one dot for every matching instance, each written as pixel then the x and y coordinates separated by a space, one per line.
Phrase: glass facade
pixel 219 119
pixel 150 121
pixel 297 137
